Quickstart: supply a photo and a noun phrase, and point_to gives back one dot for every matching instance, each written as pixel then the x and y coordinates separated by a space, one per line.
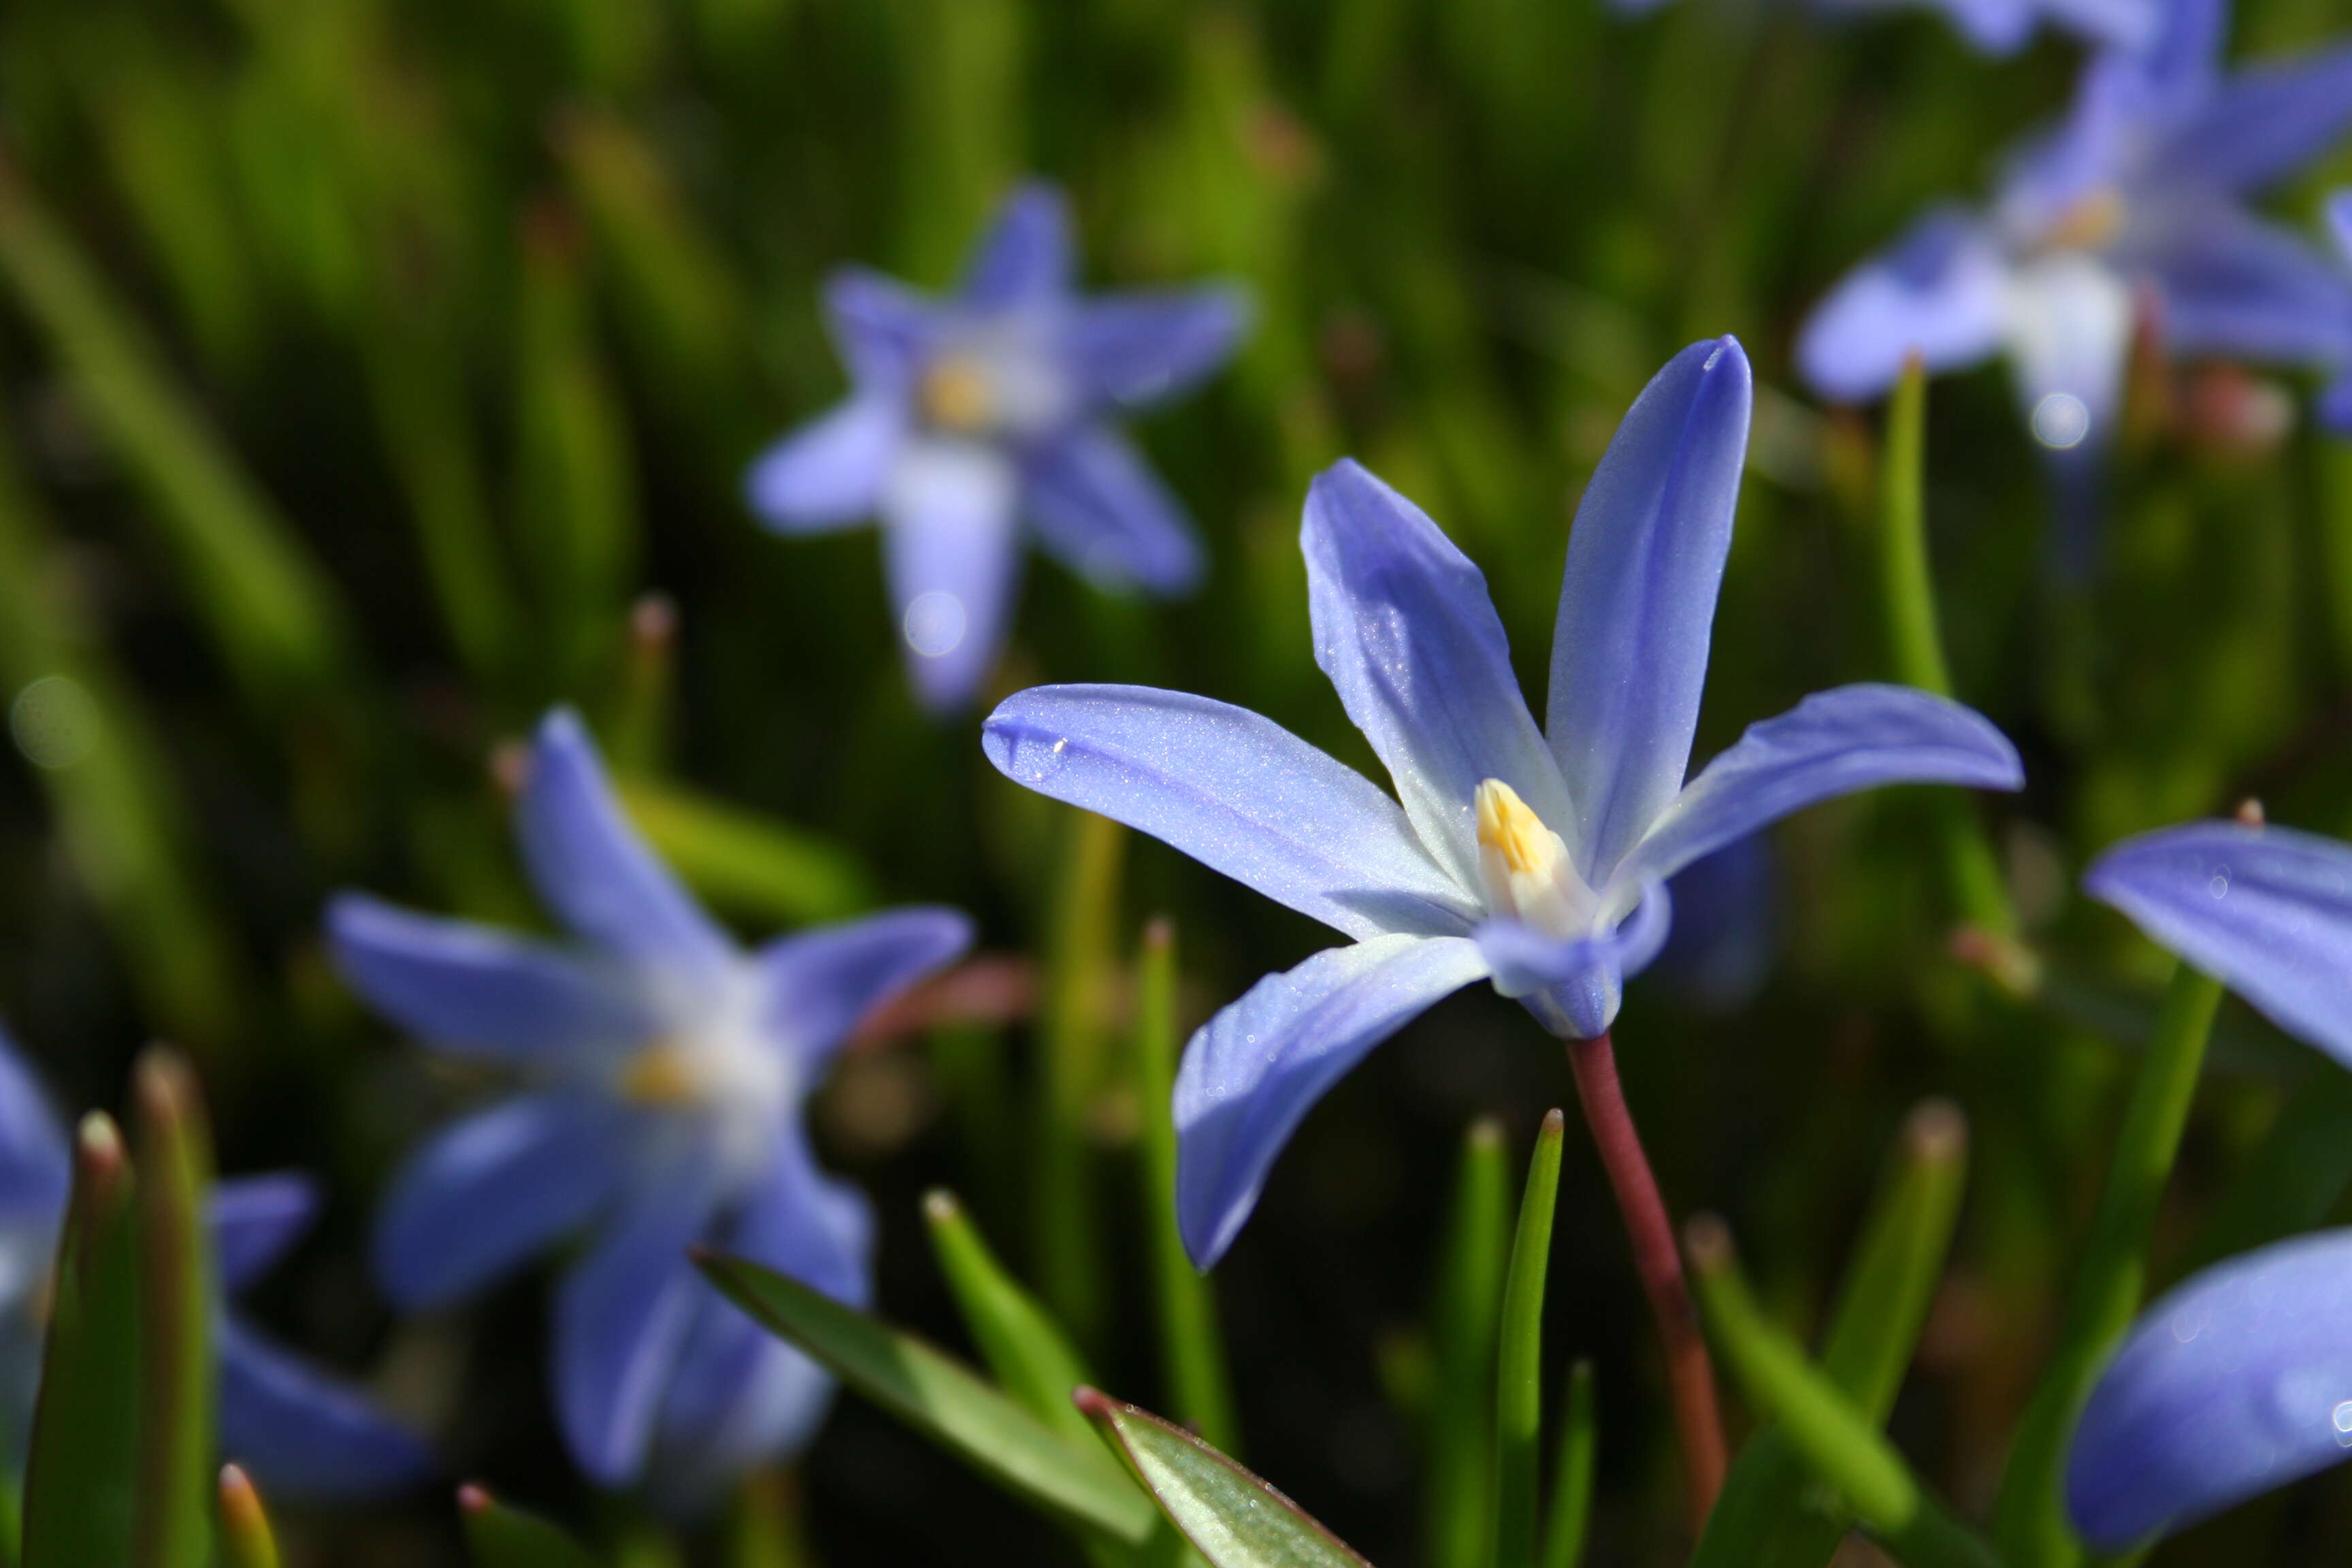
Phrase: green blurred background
pixel 363 366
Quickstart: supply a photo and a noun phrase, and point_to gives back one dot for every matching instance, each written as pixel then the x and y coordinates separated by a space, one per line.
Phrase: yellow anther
pixel 1506 823
pixel 658 1075
pixel 2092 223
pixel 957 395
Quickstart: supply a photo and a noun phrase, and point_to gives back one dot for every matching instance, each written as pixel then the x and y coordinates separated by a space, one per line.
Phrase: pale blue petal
pixel 1237 793
pixel 622 1316
pixel 1251 1073
pixel 953 557
pixel 1405 629
pixel 2181 69
pixel 1574 985
pixel 256 1218
pixel 1833 742
pixel 2339 224
pixel 1937 293
pixel 2128 25
pixel 2085 155
pixel 2264 123
pixel 593 867
pixel 2234 1384
pixel 884 330
pixel 828 474
pixel 1026 257
pixel 2336 407
pixel 1994 26
pixel 821 983
pixel 1137 348
pixel 303 1434
pixel 489 1192
pixel 475 991
pixel 1637 603
pixel 2070 338
pixel 2232 284
pixel 2267 910
pixel 1098 507
pixel 35 1168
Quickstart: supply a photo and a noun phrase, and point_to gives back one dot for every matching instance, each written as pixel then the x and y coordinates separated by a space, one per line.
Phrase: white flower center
pixel 725 1069
pixel 1001 380
pixel 1525 866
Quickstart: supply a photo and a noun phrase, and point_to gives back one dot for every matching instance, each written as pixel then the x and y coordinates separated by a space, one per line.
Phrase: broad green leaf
pixel 1033 1361
pixel 247 1539
pixel 1469 1294
pixel 174 1525
pixel 744 861
pixel 939 1398
pixel 1231 1516
pixel 1518 1357
pixel 79 1480
pixel 497 1536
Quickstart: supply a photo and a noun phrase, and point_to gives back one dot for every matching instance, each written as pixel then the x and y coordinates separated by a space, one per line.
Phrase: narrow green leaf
pixel 1469 1294
pixel 174 1525
pixel 1839 1443
pixel 765 1530
pixel 744 861
pixel 1031 1358
pixel 81 1478
pixel 1518 1357
pixel 497 1536
pixel 1572 1487
pixel 939 1398
pixel 1767 1516
pixel 1192 1345
pixel 1231 1516
pixel 637 740
pixel 247 1539
pixel 1067 1253
pixel 2029 1516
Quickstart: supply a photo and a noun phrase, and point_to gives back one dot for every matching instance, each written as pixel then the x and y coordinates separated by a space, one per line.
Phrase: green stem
pixel 1518 1357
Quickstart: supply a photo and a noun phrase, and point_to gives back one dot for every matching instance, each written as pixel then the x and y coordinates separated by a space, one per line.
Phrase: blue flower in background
pixel 974 416
pixel 1727 931
pixel 2003 26
pixel 664 1072
pixel 302 1433
pixel 1537 865
pixel 2140 194
pixel 2335 402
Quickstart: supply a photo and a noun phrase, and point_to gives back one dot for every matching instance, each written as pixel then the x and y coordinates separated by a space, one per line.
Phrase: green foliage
pixel 500 1536
pixel 1518 1357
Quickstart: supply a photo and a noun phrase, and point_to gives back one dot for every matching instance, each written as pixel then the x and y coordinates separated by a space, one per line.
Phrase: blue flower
pixel 1538 865
pixel 974 415
pixel 2140 194
pixel 2235 1383
pixel 300 1432
pixel 2003 26
pixel 664 1072
pixel 2335 402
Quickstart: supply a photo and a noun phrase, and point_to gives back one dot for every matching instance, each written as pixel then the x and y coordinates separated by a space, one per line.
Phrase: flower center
pixel 724 1073
pixel 957 395
pixel 2093 223
pixel 1525 866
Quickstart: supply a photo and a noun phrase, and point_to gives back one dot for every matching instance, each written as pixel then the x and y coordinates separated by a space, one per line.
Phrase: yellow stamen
pixel 955 395
pixel 1506 823
pixel 2092 223
pixel 659 1076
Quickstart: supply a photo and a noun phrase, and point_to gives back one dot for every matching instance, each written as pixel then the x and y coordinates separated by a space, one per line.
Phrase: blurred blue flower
pixel 666 1071
pixel 2335 402
pixel 1727 930
pixel 2236 1382
pixel 301 1432
pixel 1537 865
pixel 2003 26
pixel 2140 195
pixel 975 415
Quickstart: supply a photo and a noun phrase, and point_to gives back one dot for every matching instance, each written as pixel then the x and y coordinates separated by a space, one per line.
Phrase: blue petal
pixel 1727 927
pixel 1833 742
pixel 2231 1385
pixel 953 558
pixel 2128 24
pixel 590 865
pixel 2232 284
pixel 1026 256
pixel 1574 986
pixel 1995 26
pixel 2267 910
pixel 2264 123
pixel 1098 507
pixel 828 473
pixel 1252 1072
pixel 490 1191
pixel 1237 793
pixel 1637 603
pixel 1938 292
pixel 303 1434
pixel 622 1316
pixel 1405 629
pixel 2339 223
pixel 2182 68
pixel 883 329
pixel 480 992
pixel 256 1218
pixel 1140 347
pixel 821 983
pixel 36 1167
pixel 2336 407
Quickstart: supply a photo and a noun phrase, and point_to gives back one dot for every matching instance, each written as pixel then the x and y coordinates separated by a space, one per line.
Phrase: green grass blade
pixel 81 1476
pixel 2029 1517
pixel 1033 1359
pixel 247 1539
pixel 746 862
pixel 941 1399
pixel 1192 1345
pixel 1067 1236
pixel 497 1536
pixel 1469 1294
pixel 174 1525
pixel 1231 1516
pixel 1570 1517
pixel 1518 1357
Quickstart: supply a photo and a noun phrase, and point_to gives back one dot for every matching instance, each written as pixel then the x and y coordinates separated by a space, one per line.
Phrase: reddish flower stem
pixel 1690 1378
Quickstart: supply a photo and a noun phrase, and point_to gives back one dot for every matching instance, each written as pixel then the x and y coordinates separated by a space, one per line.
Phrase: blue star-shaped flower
pixel 2140 194
pixel 664 1072
pixel 301 1432
pixel 974 416
pixel 1533 860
